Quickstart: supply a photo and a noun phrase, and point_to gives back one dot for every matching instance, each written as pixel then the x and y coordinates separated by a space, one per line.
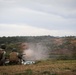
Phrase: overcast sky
pixel 37 17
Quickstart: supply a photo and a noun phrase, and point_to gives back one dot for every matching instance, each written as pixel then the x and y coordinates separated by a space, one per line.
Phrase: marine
pixel 2 54
pixel 13 57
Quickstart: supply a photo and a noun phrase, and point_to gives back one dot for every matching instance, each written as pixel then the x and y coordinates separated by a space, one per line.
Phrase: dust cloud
pixel 36 51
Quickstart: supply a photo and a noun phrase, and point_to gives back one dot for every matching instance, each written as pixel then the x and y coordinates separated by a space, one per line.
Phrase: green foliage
pixel 5 73
pixel 63 57
pixel 46 73
pixel 28 72
pixel 61 46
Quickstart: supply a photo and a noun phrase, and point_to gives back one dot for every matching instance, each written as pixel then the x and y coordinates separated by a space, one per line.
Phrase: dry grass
pixel 49 67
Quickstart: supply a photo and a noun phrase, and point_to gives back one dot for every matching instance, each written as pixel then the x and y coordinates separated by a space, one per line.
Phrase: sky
pixel 37 17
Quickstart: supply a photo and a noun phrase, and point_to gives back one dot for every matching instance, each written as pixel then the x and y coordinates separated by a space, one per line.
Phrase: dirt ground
pixel 45 67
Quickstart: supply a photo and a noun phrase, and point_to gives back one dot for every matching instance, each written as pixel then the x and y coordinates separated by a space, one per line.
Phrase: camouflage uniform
pixel 2 54
pixel 13 57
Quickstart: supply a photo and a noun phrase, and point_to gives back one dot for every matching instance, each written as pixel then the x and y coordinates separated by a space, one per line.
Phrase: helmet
pixel 3 46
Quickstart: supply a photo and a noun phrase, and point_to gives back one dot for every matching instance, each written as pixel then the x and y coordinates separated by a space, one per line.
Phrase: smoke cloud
pixel 36 51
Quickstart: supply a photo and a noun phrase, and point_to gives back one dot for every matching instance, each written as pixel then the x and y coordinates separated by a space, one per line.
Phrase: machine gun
pixel 20 56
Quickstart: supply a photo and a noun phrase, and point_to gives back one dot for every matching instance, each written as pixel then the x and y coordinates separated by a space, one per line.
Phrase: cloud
pixel 51 16
pixel 26 30
pixel 65 8
pixel 20 30
pixel 36 18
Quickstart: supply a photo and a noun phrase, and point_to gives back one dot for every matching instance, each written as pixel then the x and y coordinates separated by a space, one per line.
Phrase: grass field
pixel 46 67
